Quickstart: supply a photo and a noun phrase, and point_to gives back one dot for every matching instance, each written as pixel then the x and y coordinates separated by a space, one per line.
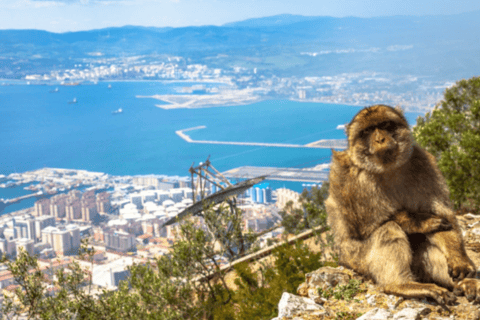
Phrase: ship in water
pixel 109 86
pixel 54 90
pixel 73 101
pixel 119 110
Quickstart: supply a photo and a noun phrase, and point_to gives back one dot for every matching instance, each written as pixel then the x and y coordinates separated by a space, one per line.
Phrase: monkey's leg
pixel 451 244
pixel 429 263
pixel 389 261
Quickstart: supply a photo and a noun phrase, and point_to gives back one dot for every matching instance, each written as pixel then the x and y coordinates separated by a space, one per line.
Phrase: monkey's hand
pixel 421 222
pixel 460 268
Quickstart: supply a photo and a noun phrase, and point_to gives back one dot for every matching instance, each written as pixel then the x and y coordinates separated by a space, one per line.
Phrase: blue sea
pixel 40 128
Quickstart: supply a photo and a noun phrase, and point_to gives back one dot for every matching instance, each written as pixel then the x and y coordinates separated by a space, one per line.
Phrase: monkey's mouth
pixel 387 156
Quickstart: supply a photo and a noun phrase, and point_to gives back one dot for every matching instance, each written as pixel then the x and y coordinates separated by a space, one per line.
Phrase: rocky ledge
pixel 340 293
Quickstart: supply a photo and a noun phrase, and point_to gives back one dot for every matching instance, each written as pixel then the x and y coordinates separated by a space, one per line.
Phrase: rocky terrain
pixel 340 293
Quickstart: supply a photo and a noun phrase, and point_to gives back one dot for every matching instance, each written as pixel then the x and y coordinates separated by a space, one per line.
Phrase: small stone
pixel 319 300
pixel 393 302
pixel 291 304
pixel 376 314
pixel 476 315
pixel 302 290
pixel 470 216
pixel 312 293
pixel 424 311
pixel 407 314
pixel 475 231
pixel 372 300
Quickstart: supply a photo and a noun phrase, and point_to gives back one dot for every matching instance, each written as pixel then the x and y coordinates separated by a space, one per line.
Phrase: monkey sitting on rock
pixel 390 212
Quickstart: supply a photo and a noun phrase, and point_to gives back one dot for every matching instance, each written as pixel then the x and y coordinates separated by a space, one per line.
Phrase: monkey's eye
pixel 388 126
pixel 365 132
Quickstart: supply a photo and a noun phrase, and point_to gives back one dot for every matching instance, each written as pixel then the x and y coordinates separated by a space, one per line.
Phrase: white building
pixel 109 275
pixel 26 244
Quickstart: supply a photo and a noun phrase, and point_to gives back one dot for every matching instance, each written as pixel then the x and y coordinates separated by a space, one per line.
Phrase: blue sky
pixel 74 15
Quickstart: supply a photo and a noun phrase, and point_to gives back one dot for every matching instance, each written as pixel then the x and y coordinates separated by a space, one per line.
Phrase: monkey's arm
pixel 421 222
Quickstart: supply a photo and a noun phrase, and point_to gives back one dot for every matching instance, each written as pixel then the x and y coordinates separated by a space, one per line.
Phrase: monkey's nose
pixel 380 140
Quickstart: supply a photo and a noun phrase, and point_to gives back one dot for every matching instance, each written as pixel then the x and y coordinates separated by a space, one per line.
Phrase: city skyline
pixel 77 15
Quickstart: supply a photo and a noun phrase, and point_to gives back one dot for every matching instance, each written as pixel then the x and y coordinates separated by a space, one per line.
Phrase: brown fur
pixel 389 208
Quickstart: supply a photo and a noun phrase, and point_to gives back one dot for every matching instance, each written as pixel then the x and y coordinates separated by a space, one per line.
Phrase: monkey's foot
pixel 460 268
pixel 470 288
pixel 421 290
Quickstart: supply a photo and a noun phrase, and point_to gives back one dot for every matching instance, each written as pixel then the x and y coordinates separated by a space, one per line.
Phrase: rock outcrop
pixel 340 293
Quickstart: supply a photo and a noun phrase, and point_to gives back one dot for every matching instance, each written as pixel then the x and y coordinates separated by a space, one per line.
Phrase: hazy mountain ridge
pixel 427 45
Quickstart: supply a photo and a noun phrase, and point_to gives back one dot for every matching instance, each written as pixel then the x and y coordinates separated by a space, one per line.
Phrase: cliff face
pixel 352 296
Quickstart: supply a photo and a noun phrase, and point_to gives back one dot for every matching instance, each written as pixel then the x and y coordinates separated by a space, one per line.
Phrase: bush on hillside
pixel 451 132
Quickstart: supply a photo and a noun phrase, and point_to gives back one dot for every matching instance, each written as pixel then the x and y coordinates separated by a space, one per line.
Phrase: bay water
pixel 41 127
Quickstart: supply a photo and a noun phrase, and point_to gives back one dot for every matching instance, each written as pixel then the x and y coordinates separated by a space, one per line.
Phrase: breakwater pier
pixel 17 199
pixel 323 144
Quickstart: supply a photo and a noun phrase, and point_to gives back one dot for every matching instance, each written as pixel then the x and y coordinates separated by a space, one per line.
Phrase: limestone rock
pixel 376 314
pixel 411 314
pixel 323 278
pixel 327 277
pixel 291 304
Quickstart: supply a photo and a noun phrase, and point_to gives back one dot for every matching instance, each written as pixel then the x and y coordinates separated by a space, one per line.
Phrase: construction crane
pixel 228 192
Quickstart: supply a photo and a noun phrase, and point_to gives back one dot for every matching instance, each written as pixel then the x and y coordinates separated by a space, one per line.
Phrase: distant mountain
pixel 282 45
pixel 278 20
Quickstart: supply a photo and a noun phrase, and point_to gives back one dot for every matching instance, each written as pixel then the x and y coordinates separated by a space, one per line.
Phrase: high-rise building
pixel 73 209
pixel 119 241
pixel 41 223
pixel 136 199
pixel 42 207
pixel 57 206
pixel 259 193
pixel 148 196
pixel 74 238
pixel 163 196
pixel 26 228
pixel 63 241
pixel 8 246
pixel 267 195
pixel 104 204
pixel 176 195
pixel 286 195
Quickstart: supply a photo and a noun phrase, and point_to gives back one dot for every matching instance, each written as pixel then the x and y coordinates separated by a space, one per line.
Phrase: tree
pixel 258 293
pixel 312 213
pixel 451 132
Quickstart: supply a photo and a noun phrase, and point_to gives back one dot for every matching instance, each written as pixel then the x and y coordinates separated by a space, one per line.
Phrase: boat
pixel 73 101
pixel 119 110
pixel 109 86
pixel 54 90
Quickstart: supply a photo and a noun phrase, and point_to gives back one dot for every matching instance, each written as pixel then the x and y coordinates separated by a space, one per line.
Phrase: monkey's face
pixel 379 139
